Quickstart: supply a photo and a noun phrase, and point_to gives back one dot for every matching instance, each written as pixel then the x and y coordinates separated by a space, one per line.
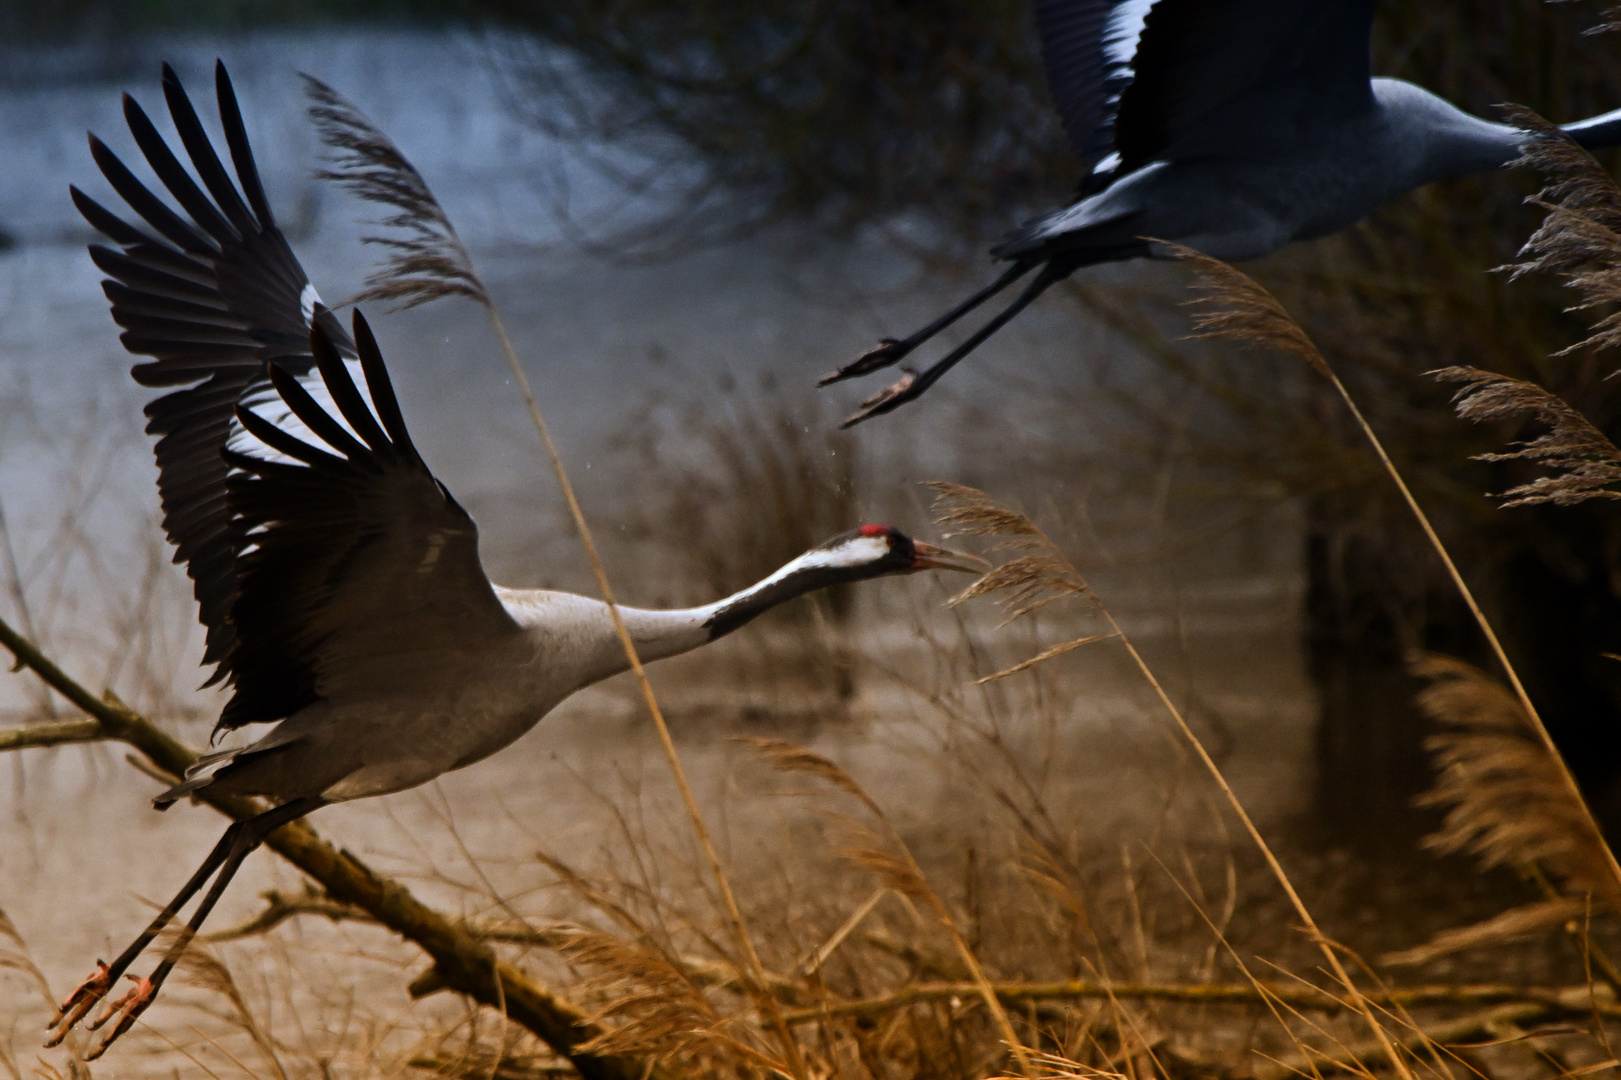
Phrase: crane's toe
pixel 890 397
pixel 126 1008
pixel 79 1002
pixel 881 355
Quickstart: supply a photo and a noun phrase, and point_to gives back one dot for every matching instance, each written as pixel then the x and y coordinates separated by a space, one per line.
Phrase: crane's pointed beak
pixel 930 557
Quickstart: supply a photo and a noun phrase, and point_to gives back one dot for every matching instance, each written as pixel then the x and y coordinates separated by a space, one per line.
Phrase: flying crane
pixel 1230 126
pixel 338 579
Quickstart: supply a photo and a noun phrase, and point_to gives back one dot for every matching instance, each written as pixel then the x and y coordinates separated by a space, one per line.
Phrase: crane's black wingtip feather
pixel 381 387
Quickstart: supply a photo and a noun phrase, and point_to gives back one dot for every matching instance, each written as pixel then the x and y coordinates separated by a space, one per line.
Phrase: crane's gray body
pixel 1233 127
pixel 459 705
pixel 1248 200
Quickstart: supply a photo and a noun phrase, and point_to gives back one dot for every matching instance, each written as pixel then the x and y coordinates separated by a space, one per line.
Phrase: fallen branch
pixel 1573 999
pixel 462 961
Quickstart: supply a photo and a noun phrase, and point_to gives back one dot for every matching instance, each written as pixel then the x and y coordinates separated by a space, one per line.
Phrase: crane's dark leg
pixel 890 350
pixel 239 840
pixel 911 385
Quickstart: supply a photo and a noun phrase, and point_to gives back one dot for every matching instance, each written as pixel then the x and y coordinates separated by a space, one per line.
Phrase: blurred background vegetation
pixel 928 123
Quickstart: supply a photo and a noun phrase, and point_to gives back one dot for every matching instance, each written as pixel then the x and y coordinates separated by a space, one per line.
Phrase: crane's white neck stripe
pixel 814 569
pixel 857 551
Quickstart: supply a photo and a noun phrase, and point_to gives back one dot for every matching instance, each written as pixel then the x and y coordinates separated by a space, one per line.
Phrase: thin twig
pixel 280 906
pixel 1571 999
pixel 54 733
pixel 1350 1057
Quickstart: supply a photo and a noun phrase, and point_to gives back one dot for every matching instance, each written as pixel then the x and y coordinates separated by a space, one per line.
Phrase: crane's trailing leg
pixel 891 350
pixel 226 858
pixel 912 384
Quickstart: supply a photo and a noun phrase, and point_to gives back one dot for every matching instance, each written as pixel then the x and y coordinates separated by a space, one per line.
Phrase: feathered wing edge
pixel 210 300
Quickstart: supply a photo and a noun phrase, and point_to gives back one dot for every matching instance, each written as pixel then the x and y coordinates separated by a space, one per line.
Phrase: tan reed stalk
pixel 904 876
pixel 1358 1002
pixel 431 262
pixel 762 996
pixel 1026 599
pixel 1256 316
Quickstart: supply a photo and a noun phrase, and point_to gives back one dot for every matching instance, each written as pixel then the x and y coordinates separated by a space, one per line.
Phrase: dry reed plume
pixel 1506 805
pixel 427 260
pixel 1585 463
pixel 1505 800
pixel 1579 240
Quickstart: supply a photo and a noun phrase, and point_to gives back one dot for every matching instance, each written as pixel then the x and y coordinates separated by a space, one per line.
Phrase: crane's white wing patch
pixel 307 301
pixel 264 401
pixel 1124 30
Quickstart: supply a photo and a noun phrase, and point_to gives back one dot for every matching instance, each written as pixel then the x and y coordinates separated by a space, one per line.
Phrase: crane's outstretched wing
pixel 1087 48
pixel 1176 79
pixel 213 300
pixel 356 569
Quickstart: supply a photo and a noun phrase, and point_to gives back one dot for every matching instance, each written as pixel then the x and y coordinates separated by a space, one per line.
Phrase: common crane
pixel 338 580
pixel 1230 126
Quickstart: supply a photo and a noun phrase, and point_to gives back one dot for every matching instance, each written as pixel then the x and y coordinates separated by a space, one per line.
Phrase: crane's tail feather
pixel 198 775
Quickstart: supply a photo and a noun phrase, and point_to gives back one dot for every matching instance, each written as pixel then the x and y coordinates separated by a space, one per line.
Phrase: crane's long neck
pixel 666 633
pixel 1432 139
pixel 578 635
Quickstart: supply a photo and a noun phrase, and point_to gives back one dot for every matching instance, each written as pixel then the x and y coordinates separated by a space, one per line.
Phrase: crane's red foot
pixel 892 396
pixel 80 1001
pixel 126 1008
pixel 881 355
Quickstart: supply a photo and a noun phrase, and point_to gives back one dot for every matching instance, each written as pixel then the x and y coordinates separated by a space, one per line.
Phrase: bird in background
pixel 338 580
pixel 1233 127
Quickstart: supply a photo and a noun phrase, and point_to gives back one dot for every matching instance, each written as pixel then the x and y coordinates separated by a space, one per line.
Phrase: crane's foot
pixel 881 355
pixel 79 1002
pixel 890 397
pixel 126 1009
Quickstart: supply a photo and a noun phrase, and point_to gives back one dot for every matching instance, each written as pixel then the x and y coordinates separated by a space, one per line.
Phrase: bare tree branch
pixel 54 733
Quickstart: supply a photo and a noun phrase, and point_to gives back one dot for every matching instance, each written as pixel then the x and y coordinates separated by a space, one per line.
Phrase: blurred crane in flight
pixel 1230 126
